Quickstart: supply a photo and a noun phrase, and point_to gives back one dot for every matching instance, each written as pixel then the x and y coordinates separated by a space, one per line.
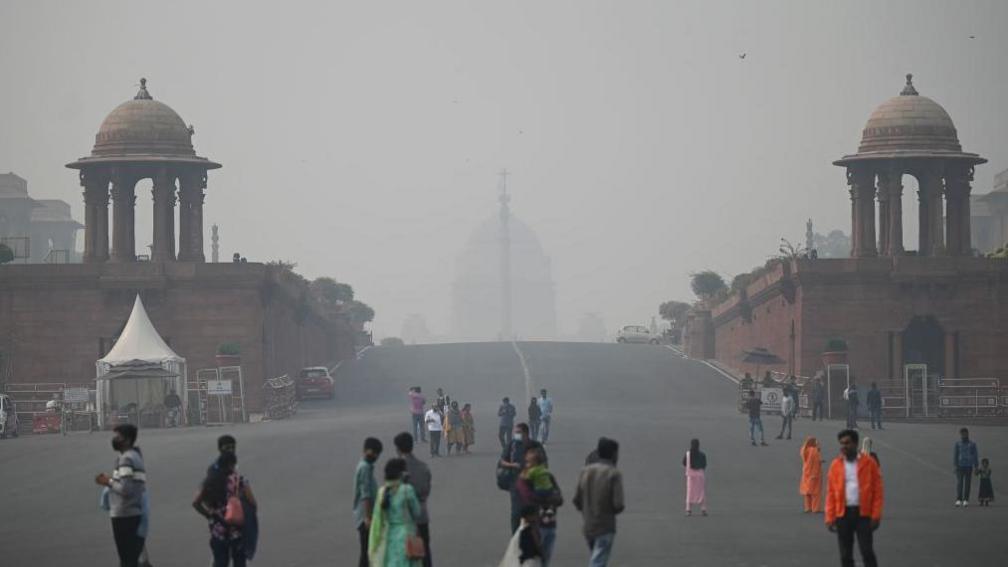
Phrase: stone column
pixel 96 197
pixel 895 189
pixel 124 201
pixel 882 190
pixel 191 185
pixel 932 233
pixel 957 196
pixel 163 249
pixel 862 183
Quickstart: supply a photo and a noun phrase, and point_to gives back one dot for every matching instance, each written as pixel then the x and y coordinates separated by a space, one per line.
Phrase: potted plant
pixel 229 354
pixel 835 353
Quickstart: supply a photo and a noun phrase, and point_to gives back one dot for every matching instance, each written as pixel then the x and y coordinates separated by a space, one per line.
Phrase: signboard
pixel 75 395
pixel 219 387
pixel 771 398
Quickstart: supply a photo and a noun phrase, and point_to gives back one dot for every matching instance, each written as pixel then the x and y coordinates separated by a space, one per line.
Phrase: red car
pixel 315 382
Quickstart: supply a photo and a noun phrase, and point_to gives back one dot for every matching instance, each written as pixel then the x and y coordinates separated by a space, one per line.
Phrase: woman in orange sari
pixel 811 480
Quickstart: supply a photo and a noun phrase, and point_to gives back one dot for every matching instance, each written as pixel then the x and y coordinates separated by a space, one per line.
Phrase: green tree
pixel 707 284
pixel 361 312
pixel 6 254
pixel 674 312
pixel 330 292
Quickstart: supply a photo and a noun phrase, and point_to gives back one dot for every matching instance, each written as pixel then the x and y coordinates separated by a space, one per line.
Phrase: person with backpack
pixel 220 501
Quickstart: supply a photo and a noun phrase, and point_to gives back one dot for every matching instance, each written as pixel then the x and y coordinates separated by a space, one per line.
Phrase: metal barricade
pixel 969 397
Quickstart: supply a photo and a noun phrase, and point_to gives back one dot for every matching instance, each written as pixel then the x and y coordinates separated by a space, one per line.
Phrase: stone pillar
pixel 884 216
pixel 862 183
pixel 163 249
pixel 932 233
pixel 890 196
pixel 96 198
pixel 191 185
pixel 124 201
pixel 957 198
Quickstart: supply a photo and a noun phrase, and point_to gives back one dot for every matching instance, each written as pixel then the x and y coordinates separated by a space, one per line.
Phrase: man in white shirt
pixel 787 414
pixel 434 422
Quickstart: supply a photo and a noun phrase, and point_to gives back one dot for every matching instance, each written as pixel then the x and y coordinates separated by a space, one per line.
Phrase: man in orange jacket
pixel 854 500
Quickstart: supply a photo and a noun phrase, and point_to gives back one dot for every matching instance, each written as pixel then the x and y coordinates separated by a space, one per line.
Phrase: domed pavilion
pixel 910 134
pixel 143 139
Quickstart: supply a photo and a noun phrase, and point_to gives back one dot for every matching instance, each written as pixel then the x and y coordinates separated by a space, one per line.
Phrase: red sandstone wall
pixel 862 301
pixel 53 318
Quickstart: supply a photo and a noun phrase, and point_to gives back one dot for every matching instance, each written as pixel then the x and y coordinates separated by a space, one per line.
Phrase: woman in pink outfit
pixel 695 463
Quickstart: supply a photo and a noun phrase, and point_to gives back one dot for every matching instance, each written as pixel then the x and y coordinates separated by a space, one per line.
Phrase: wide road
pixel 647 397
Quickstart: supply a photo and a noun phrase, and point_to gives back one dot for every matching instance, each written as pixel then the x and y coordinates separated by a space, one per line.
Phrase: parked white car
pixel 635 334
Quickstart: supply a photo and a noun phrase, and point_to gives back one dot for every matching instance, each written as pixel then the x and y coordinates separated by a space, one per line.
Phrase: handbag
pixel 234 515
pixel 505 478
pixel 415 548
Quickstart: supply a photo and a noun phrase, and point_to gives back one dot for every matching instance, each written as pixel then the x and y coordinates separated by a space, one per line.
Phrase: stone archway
pixel 924 343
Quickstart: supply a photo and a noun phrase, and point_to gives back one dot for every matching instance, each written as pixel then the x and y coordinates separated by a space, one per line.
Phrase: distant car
pixel 315 382
pixel 8 417
pixel 635 334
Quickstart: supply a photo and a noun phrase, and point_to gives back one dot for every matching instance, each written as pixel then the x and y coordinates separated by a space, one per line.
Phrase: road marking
pixel 677 351
pixel 932 466
pixel 525 370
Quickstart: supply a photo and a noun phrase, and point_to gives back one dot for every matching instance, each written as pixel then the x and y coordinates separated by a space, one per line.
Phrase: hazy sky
pixel 362 140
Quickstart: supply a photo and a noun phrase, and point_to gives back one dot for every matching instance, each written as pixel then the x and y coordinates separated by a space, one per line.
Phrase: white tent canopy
pixel 140 341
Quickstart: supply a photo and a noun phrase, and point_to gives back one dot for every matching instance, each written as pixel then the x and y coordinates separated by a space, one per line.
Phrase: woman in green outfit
pixel 392 521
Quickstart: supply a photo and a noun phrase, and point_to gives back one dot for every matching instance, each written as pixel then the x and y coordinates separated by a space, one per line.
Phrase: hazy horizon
pixel 363 141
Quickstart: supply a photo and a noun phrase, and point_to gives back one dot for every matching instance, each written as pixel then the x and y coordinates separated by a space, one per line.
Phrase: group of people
pixel 225 500
pixel 540 417
pixel 523 471
pixel 392 520
pixel 442 419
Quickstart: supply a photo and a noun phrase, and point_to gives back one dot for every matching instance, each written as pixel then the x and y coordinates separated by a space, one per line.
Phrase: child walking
pixel 986 488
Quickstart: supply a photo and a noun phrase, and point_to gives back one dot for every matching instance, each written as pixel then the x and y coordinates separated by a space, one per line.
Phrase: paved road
pixel 647 397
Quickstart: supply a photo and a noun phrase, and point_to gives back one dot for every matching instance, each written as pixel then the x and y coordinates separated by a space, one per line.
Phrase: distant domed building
pixel 486 276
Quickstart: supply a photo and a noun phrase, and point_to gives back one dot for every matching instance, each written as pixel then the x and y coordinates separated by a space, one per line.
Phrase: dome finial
pixel 909 89
pixel 143 94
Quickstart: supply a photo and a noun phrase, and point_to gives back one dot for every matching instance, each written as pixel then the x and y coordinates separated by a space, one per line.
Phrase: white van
pixel 8 417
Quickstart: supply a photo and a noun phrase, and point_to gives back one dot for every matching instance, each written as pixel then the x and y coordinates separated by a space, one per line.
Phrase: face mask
pixel 517 437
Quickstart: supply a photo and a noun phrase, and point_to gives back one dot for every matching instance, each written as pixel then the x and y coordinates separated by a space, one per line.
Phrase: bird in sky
pixel 741 55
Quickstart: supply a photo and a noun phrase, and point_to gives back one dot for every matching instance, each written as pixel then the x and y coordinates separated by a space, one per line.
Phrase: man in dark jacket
pixel 419 476
pixel 599 498
pixel 874 401
pixel 965 458
pixel 818 399
pixel 513 459
pixel 506 412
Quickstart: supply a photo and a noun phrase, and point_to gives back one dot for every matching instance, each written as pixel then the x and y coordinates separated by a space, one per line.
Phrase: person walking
pixel 453 429
pixel 753 404
pixel 533 418
pixel 818 399
pixel 127 486
pixel 874 401
pixel 511 463
pixel 695 463
pixel 417 403
pixel 853 400
pixel 418 475
pixel 545 415
pixel 506 412
pixel 365 492
pixel 434 420
pixel 811 480
pixel 220 501
pixel 787 415
pixel 468 428
pixel 442 401
pixel 393 521
pixel 599 498
pixel 986 492
pixel 854 500
pixel 173 405
pixel 538 487
pixel 965 458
